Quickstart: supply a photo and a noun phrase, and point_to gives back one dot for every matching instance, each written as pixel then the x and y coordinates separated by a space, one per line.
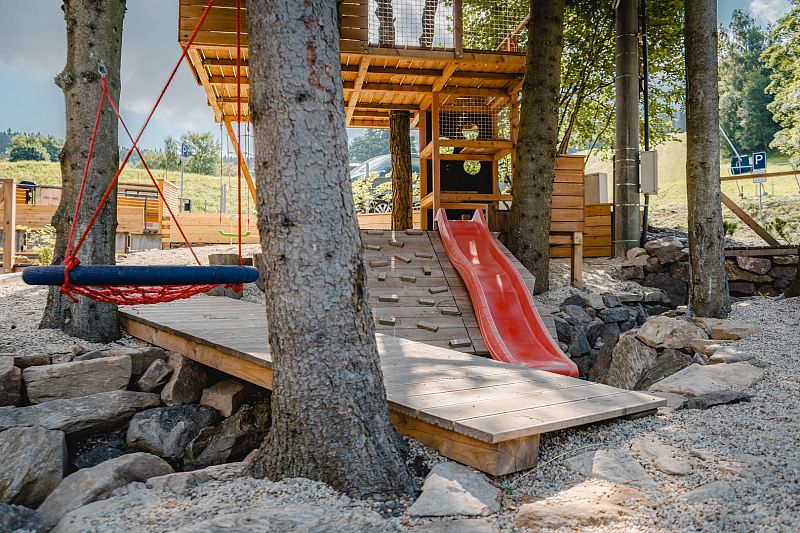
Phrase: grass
pixel 669 208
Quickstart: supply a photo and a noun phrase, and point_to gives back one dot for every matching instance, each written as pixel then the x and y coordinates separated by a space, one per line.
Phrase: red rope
pixel 124 295
pixel 239 118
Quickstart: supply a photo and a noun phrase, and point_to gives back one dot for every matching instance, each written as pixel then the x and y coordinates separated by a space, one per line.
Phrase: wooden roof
pixel 376 79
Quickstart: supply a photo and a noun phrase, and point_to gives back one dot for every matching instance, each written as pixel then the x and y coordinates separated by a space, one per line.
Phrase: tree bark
pixel 428 23
pixel 537 146
pixel 400 147
pixel 330 416
pixel 94 34
pixel 708 287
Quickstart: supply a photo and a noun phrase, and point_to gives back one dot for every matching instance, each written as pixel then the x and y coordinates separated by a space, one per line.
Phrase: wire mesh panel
pixel 426 24
pixel 495 24
pixel 473 117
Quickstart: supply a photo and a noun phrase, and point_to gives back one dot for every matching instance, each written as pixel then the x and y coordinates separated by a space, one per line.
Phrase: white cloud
pixel 769 10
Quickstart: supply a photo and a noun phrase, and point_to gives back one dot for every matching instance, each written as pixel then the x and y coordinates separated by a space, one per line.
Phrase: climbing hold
pixel 426 301
pixel 403 259
pixel 424 255
pixel 437 290
pixel 426 270
pixel 373 247
pixel 379 263
pixel 450 311
pixel 391 298
pixel 387 320
pixel 382 276
pixel 396 243
pixel 459 343
pixel 428 326
pixel 409 278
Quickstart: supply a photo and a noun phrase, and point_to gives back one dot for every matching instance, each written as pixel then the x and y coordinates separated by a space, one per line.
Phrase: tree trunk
pixel 400 146
pixel 94 34
pixel 428 23
pixel 708 287
pixel 330 417
pixel 529 219
pixel 385 13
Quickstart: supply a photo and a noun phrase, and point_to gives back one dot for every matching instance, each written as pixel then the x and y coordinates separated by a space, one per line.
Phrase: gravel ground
pixel 754 445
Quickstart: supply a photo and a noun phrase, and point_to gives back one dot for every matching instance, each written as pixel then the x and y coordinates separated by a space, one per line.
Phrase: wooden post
pixel 9 223
pixel 576 260
pixel 245 170
pixel 747 219
pixel 423 167
pixel 435 162
pixel 458 29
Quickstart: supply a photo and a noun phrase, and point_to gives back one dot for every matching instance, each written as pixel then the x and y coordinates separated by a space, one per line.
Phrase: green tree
pixel 782 58
pixel 53 145
pixel 27 148
pixel 743 79
pixel 203 152
pixel 171 157
pixel 373 143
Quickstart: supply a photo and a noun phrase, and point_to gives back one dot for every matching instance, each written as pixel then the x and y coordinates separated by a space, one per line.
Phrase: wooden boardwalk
pixel 477 411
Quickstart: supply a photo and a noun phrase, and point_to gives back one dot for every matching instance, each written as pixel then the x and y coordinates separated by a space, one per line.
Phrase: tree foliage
pixel 783 58
pixel 203 152
pixel 372 143
pixel 743 79
pixel 27 148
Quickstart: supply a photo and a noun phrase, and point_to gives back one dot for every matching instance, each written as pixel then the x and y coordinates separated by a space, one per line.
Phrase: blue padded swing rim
pixel 140 276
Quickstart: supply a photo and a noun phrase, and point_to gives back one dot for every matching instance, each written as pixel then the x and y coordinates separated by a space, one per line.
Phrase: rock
pixel 640 261
pixel 187 382
pixel 783 272
pixel 633 253
pixel 666 332
pixel 722 491
pixel 706 401
pixel 232 439
pixel 785 260
pixel 95 456
pixel 656 296
pixel 32 464
pixel 86 414
pixel 576 313
pixel 628 297
pixel 579 345
pixel 141 358
pixel 85 519
pixel 78 349
pixel 594 330
pixel 696 380
pixel 613 465
pixel 88 356
pixel 754 264
pixel 681 271
pixel 674 401
pixel 704 346
pixel 154 377
pixel 182 481
pixel 595 301
pixel 677 291
pixel 699 359
pixel 15 518
pixel 732 330
pixel 672 257
pixel 225 396
pixel 629 363
pixel 591 503
pixel 59 358
pixel 735 273
pixel 293 518
pixel 24 361
pixel 464 525
pixel 96 483
pixel 603 361
pixel 633 272
pixel 664 247
pixel 564 329
pixel 165 431
pixel 79 378
pixel 575 299
pixel 453 489
pixel 667 363
pixel 615 314
pixel 729 354
pixel 10 381
pixel 662 456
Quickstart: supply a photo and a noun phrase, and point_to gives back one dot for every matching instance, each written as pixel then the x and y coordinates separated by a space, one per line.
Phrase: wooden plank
pixel 747 219
pixel 765 251
pixel 9 187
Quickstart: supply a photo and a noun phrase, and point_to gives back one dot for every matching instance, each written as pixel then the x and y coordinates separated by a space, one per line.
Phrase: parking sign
pixel 759 160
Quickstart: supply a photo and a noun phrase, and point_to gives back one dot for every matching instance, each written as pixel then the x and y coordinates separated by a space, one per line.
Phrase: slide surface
pixel 509 322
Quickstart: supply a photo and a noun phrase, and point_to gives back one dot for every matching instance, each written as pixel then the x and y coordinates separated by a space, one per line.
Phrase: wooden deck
pixel 474 410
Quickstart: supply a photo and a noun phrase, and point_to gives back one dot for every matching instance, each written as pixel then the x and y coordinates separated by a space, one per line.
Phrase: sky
pixel 32 52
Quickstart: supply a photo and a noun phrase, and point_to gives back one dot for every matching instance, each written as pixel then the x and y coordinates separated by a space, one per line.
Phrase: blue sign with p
pixel 759 160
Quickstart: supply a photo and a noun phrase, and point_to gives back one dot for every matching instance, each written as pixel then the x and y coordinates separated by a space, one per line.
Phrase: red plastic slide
pixel 510 325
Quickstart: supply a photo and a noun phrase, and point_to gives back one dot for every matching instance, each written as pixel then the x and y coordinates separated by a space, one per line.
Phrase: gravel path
pixel 753 446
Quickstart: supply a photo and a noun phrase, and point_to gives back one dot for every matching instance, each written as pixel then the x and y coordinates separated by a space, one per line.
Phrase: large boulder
pixel 154 377
pixel 182 481
pixel 757 265
pixel 15 518
pixel 230 440
pixel 665 332
pixel 78 378
pixel 730 354
pixel 86 414
pixel 734 273
pixel 453 489
pixel 141 358
pixel 732 330
pixel 97 483
pixel 629 362
pixel 90 517
pixel 187 382
pixel 225 396
pixel 32 463
pixel 697 380
pixel 23 361
pixel 669 362
pixel 676 290
pixel 165 431
pixel 10 381
pixel 665 248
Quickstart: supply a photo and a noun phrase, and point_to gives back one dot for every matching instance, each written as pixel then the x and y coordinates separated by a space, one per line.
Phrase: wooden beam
pixel 389 88
pixel 194 57
pixel 363 67
pixel 765 175
pixel 747 219
pixel 245 170
pixel 228 80
pixel 9 223
pixel 437 73
pixel 435 162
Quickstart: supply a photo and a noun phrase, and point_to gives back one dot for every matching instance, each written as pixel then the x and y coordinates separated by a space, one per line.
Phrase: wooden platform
pixel 474 410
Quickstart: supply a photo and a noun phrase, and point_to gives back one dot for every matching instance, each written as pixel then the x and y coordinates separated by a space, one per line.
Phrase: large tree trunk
pixel 529 219
pixel 94 34
pixel 330 417
pixel 708 287
pixel 400 146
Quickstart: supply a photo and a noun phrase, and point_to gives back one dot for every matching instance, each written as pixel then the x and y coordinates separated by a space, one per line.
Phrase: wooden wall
pixel 596 233
pixel 36 217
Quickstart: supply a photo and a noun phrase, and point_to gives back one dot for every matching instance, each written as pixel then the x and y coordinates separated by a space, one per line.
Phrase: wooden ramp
pixel 474 410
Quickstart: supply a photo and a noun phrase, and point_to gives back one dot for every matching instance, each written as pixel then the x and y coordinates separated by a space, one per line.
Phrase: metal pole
pixel 626 150
pixel 180 204
pixel 646 112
